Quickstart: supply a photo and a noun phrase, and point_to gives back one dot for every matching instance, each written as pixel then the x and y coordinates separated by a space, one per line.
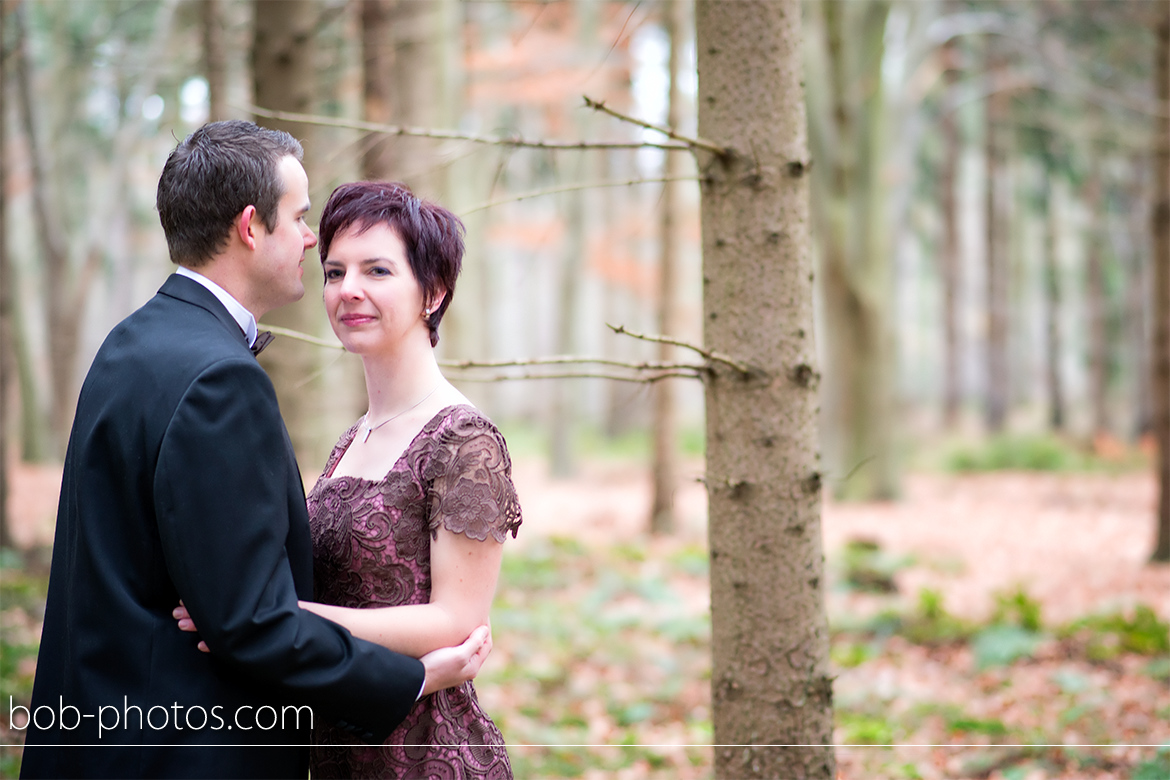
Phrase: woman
pixel 410 513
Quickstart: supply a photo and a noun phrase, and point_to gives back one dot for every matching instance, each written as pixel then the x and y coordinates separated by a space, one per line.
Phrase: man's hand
pixel 451 666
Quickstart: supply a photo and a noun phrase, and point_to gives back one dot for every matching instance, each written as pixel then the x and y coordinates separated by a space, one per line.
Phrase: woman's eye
pixel 379 271
pixel 333 273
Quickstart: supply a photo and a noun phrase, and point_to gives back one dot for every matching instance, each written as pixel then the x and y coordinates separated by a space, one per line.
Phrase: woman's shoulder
pixel 462 421
pixel 463 430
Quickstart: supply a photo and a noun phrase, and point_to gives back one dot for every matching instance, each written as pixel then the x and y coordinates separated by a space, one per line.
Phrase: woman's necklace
pixel 371 428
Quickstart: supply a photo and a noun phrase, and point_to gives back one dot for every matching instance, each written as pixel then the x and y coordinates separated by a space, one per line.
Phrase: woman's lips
pixel 355 319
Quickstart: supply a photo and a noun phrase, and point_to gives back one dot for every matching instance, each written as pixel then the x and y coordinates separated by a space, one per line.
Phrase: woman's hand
pixel 181 614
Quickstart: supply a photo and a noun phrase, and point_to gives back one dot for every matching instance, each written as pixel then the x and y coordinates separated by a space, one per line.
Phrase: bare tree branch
pixel 305 337
pixel 560 360
pixel 712 356
pixel 691 143
pixel 649 378
pixel 451 135
pixel 571 187
pixel 680 369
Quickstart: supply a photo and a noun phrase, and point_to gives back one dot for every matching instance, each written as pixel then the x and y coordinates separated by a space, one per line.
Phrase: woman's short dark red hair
pixel 432 235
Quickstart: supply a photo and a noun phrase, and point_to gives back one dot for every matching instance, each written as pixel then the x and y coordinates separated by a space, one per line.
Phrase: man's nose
pixel 310 239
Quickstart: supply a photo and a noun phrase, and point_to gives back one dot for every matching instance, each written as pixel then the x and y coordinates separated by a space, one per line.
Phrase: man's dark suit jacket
pixel 180 483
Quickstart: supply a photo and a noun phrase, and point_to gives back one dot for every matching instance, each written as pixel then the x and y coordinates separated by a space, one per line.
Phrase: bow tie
pixel 263 339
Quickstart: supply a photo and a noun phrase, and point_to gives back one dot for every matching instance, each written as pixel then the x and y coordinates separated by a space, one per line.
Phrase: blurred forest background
pixel 990 217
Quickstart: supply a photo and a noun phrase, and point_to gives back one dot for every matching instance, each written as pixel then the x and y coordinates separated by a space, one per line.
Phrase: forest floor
pixel 995 625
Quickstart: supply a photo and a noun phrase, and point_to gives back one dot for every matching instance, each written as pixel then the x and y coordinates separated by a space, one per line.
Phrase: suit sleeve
pixel 222 499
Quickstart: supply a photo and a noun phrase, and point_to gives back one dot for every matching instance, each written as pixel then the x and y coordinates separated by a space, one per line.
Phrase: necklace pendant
pixel 369 430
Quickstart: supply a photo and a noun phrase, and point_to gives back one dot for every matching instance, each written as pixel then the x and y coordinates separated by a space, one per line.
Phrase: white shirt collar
pixel 246 321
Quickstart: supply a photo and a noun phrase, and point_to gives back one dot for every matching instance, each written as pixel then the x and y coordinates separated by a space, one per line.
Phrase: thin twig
pixel 692 143
pixel 742 368
pixel 560 360
pixel 451 135
pixel 305 337
pixel 579 375
pixel 572 187
pixel 666 370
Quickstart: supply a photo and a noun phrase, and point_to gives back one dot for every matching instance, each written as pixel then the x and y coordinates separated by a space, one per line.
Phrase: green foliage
pixel 906 771
pixel 1003 644
pixel 1017 452
pixel 1107 636
pixel 850 654
pixel 22 600
pixel 9 763
pixel 600 645
pixel 14 682
pixel 1017 609
pixel 692 559
pixel 992 727
pixel 932 624
pixel 866 567
pixel 865 729
pixel 1014 632
pixel 1157 768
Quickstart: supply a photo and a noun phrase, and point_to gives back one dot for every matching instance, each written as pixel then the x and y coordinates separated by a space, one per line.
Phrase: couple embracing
pixel 203 620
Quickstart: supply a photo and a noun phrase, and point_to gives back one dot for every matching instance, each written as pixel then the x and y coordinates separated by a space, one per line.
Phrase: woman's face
pixel 372 298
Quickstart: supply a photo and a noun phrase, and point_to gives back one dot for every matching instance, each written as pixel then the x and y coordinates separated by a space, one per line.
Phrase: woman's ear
pixel 436 301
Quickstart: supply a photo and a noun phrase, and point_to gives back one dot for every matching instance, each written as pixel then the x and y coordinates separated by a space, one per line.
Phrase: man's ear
pixel 247 223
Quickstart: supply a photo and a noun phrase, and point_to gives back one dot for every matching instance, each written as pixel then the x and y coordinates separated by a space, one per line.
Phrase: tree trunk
pixel 855 256
pixel 284 76
pixel 417 91
pixel 565 394
pixel 7 362
pixel 34 447
pixel 378 161
pixel 665 465
pixel 1097 301
pixel 998 192
pixel 214 59
pixel 770 683
pixel 1160 359
pixel 563 398
pixel 62 319
pixel 948 181
pixel 1137 296
pixel 1054 345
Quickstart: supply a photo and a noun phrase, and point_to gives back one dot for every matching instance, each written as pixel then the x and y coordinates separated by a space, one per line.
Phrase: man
pixel 180 483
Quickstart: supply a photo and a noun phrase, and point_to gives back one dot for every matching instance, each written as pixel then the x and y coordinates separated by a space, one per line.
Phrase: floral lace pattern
pixel 371 548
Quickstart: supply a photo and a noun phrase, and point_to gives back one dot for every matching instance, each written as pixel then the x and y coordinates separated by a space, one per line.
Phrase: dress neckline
pixel 351 434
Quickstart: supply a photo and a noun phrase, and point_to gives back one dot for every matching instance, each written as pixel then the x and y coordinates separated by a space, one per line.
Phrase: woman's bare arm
pixel 463 581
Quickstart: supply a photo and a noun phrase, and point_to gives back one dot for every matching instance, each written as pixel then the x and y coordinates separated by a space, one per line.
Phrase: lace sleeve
pixel 472 490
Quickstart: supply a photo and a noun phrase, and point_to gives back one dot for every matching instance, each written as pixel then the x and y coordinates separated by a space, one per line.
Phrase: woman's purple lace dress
pixel 371 548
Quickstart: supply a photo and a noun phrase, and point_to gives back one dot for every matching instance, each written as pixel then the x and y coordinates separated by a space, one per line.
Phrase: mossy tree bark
pixel 1160 272
pixel 852 214
pixel 770 683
